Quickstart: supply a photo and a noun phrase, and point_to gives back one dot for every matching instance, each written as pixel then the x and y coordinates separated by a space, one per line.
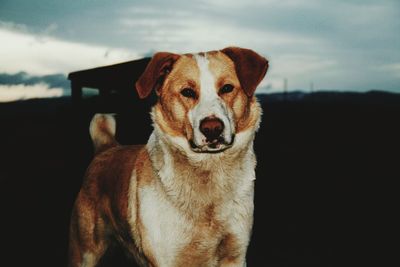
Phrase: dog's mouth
pixel 215 146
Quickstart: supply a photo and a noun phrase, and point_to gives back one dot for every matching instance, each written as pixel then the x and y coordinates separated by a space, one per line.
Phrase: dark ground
pixel 325 188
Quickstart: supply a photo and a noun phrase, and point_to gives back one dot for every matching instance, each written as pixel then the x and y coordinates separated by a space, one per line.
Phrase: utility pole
pixel 312 91
pixel 285 88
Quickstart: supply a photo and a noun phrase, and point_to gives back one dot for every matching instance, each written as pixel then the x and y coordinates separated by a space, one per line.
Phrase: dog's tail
pixel 102 131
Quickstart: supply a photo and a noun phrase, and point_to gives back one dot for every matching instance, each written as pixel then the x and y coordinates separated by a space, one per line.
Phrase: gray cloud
pixel 336 44
pixel 53 81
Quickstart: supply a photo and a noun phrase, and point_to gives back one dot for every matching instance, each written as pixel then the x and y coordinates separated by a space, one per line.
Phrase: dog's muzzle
pixel 212 128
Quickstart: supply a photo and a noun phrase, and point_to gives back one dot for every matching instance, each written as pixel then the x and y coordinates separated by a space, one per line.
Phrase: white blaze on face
pixel 209 105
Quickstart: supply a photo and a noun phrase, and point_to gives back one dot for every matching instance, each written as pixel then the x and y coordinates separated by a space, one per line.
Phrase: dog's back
pixel 101 208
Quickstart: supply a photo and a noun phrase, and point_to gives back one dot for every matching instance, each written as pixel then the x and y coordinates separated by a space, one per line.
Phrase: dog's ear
pixel 155 73
pixel 250 67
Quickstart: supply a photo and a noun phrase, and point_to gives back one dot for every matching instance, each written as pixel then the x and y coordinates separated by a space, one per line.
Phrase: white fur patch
pixel 88 260
pixel 210 104
pixel 102 129
pixel 167 231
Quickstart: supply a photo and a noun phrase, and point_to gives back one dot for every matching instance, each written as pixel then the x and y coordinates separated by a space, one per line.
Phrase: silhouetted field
pixel 325 194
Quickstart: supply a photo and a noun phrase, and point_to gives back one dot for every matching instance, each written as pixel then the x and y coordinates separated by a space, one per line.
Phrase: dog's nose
pixel 212 128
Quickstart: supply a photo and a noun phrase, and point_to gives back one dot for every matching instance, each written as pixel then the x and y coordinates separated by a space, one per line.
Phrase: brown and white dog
pixel 185 198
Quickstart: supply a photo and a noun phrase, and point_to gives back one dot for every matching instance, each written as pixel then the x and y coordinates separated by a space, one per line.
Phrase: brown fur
pixel 241 103
pixel 250 67
pixel 103 201
pixel 155 72
pixel 172 109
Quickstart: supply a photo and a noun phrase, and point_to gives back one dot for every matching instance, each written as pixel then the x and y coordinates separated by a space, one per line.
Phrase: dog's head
pixel 204 99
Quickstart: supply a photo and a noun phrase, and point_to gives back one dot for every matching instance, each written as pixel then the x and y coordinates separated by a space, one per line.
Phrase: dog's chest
pixel 184 218
pixel 172 239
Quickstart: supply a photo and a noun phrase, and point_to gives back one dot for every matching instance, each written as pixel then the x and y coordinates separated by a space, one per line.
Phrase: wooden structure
pixel 119 78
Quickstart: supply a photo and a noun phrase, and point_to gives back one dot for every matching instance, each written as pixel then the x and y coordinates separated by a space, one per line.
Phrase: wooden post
pixel 285 88
pixel 104 93
pixel 76 92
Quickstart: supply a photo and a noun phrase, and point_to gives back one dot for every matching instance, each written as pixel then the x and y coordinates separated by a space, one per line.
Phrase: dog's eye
pixel 227 88
pixel 189 93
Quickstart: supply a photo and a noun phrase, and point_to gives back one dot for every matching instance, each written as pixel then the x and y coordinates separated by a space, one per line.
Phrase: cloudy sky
pixel 341 45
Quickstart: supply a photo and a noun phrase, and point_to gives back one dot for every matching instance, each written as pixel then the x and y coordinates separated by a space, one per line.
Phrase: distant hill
pixel 373 96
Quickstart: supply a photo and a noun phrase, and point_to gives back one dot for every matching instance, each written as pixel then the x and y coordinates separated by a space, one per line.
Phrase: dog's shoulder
pixel 108 180
pixel 111 170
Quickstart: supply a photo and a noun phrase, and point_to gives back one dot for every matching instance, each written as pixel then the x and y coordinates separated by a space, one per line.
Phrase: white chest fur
pixel 166 230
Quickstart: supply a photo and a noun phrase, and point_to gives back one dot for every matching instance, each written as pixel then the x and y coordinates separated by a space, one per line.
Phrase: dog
pixel 186 197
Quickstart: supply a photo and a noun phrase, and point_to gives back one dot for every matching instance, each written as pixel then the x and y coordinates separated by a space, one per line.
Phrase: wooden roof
pixel 118 77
